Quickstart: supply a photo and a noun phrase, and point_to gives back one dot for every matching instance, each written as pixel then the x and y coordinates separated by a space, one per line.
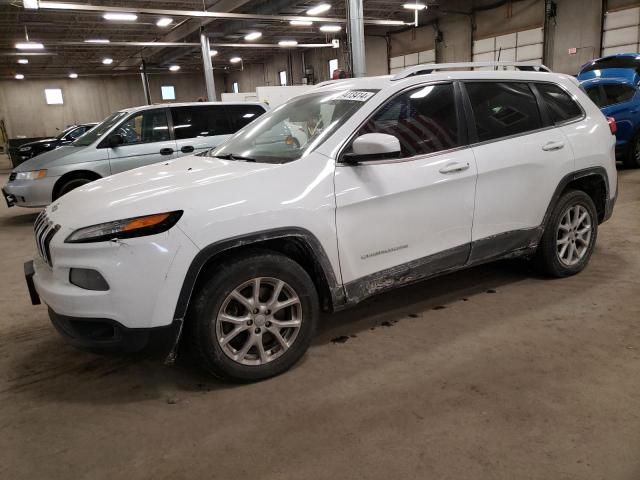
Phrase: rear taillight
pixel 613 126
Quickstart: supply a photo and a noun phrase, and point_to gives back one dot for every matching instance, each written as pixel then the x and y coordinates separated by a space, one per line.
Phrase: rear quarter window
pixel 560 106
pixel 614 94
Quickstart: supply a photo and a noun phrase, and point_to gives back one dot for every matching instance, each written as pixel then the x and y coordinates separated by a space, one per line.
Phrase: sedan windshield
pixel 99 130
pixel 295 128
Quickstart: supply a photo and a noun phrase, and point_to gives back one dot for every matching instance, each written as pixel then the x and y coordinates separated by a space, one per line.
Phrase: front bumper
pixel 29 193
pixel 106 335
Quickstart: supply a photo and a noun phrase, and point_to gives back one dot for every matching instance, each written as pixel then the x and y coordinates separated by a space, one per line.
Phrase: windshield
pixel 294 128
pixel 61 135
pixel 99 130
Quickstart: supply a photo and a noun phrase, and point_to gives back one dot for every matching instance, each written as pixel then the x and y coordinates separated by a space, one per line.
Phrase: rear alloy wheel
pixel 569 237
pixel 254 318
pixel 632 159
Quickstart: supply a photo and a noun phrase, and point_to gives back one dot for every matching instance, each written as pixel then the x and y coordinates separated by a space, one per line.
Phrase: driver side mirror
pixel 115 140
pixel 373 146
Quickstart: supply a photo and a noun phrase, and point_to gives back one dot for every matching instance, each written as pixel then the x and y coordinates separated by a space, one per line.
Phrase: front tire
pixel 71 185
pixel 569 236
pixel 254 318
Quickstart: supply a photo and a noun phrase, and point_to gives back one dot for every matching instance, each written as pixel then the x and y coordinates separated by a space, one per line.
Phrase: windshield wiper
pixel 233 156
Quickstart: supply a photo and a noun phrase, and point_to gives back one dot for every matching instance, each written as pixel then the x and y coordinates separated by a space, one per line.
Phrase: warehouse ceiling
pixel 63 34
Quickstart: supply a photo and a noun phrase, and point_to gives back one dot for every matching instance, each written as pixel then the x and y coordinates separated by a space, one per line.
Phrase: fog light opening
pixel 88 279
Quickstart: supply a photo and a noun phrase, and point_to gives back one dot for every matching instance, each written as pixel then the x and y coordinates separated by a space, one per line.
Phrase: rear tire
pixel 245 334
pixel 71 185
pixel 632 158
pixel 569 236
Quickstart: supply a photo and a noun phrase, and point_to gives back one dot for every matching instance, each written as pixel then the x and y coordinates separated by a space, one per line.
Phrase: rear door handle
pixel 187 149
pixel 551 146
pixel 454 167
pixel 166 151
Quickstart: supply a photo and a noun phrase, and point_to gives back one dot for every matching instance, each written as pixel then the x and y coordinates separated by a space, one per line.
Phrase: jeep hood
pixel 186 183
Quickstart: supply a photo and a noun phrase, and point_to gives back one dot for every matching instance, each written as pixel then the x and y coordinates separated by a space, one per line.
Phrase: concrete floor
pixel 491 373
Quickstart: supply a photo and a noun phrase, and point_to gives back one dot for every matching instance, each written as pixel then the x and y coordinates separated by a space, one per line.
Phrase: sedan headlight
pixel 25 149
pixel 33 175
pixel 127 228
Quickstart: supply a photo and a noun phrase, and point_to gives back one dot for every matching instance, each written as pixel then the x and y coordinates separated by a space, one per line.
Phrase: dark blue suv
pixel 612 84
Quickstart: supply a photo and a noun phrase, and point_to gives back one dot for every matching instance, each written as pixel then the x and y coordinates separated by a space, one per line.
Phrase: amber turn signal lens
pixel 142 222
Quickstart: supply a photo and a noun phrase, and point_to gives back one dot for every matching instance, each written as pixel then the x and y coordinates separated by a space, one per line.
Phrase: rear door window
pixel 619 93
pixel 502 109
pixel 200 121
pixel 241 115
pixel 561 107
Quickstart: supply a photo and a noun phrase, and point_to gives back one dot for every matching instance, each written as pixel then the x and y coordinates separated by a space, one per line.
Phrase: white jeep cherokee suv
pixel 354 188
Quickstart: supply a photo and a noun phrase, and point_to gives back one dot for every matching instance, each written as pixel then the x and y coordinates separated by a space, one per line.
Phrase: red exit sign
pixel 573 51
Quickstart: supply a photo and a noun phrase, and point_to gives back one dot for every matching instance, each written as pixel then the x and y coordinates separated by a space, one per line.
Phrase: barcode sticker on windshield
pixel 355 95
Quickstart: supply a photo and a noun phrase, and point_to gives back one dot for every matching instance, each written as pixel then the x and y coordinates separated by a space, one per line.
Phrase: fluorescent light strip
pixel 23 61
pixel 235 60
pixel 120 17
pixel 97 40
pixel 252 36
pixel 318 9
pixel 414 6
pixel 300 23
pixel 174 68
pixel 330 28
pixel 73 75
pixel 164 22
pixel 29 46
pixel 19 76
pixel 107 61
pixel 288 43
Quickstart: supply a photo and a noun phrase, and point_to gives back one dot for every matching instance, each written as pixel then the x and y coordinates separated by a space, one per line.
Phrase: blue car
pixel 612 83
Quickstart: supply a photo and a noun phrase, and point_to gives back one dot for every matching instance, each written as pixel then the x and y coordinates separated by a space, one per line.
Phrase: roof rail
pixel 428 68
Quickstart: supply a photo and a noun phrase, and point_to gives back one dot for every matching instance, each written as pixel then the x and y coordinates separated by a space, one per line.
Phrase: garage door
pixel 397 64
pixel 621 32
pixel 524 46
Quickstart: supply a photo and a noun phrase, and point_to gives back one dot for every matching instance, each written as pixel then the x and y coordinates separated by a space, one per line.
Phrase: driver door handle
pixel 552 146
pixel 166 151
pixel 187 149
pixel 454 167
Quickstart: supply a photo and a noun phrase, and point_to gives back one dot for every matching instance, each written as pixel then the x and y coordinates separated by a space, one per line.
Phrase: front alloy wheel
pixel 258 321
pixel 254 317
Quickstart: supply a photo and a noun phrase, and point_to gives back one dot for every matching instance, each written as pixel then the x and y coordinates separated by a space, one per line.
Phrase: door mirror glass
pixel 373 146
pixel 115 140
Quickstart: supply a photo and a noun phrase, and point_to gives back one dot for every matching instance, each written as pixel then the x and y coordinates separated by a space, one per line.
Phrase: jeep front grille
pixel 44 229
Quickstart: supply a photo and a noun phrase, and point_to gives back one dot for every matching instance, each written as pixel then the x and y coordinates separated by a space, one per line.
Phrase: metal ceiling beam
pixel 78 7
pixel 179 44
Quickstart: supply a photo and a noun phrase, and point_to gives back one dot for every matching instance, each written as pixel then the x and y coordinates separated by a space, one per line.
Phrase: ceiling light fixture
pixel 73 75
pixel 288 43
pixel 301 23
pixel 235 60
pixel 414 6
pixel 23 61
pixel 19 76
pixel 164 22
pixel 253 36
pixel 330 28
pixel 174 68
pixel 29 46
pixel 97 40
pixel 30 4
pixel 213 53
pixel 318 9
pixel 107 61
pixel 121 17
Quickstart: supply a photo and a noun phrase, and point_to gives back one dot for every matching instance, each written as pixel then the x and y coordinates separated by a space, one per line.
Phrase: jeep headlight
pixel 126 228
pixel 32 175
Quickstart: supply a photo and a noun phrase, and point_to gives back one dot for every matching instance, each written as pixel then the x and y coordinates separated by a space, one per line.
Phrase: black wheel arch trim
pixel 573 176
pixel 207 253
